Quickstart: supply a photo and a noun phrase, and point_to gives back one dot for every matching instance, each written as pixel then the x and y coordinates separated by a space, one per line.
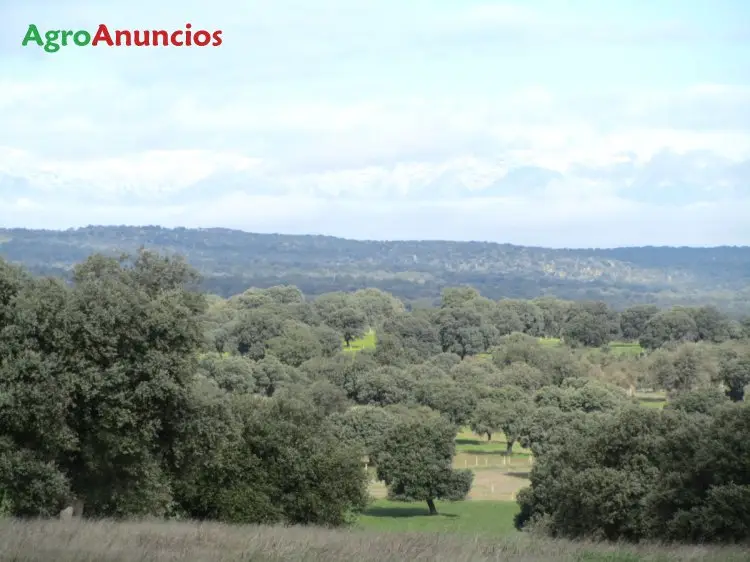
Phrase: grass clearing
pixel 368 341
pixel 453 539
pixel 550 341
pixel 655 400
pixel 654 404
pixel 632 349
pixel 489 518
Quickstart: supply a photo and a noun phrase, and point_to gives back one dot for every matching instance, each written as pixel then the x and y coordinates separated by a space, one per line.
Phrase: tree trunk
pixel 431 505
pixel 509 448
pixel 489 436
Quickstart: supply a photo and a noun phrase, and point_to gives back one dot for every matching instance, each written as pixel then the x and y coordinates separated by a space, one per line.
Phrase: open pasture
pixel 488 518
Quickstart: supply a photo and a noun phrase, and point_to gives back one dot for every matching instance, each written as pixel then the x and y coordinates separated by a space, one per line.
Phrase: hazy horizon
pixel 579 125
pixel 389 240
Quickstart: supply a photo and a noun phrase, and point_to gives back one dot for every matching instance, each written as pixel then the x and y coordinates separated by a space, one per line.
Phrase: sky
pixel 553 123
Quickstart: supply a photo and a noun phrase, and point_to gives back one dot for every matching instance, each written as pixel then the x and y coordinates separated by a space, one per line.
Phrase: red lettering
pixel 174 39
pixel 119 35
pixel 164 38
pixel 202 38
pixel 188 35
pixel 141 42
pixel 217 38
pixel 102 34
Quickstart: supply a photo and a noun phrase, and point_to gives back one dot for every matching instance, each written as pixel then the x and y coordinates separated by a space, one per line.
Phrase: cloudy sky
pixel 557 123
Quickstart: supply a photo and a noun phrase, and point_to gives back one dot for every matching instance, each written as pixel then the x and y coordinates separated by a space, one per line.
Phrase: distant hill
pixel 232 260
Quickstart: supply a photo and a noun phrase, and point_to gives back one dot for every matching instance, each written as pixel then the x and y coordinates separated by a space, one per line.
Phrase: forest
pixel 130 392
pixel 230 261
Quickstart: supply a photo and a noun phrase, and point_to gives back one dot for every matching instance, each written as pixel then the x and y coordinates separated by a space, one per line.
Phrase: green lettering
pixel 52 36
pixel 65 35
pixel 82 38
pixel 32 34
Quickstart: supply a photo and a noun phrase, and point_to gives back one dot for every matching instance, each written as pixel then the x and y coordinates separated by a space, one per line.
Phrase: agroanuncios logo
pixel 54 39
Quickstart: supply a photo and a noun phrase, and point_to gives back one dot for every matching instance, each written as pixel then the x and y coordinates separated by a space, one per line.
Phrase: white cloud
pixel 382 120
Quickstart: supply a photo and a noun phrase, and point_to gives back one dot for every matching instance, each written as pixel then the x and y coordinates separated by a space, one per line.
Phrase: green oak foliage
pixel 326 398
pixel 384 386
pixel 454 401
pixel 591 324
pixel 414 333
pixel 250 333
pixel 231 373
pixel 342 370
pixel 329 340
pixel 464 331
pixel 711 324
pixel 443 361
pixel 703 401
pixel 415 461
pixel 377 306
pixel 633 320
pixel 488 418
pixel 583 395
pixel 523 375
pixel 734 370
pixel 270 375
pixel 676 324
pixel 641 474
pixel 391 351
pixel 32 486
pixel 505 318
pixel 682 368
pixel 458 296
pixel 296 343
pixel 513 414
pixel 349 321
pixel 131 390
pixel 555 313
pixel 364 426
pixel 106 397
pixel 275 461
pixel 98 377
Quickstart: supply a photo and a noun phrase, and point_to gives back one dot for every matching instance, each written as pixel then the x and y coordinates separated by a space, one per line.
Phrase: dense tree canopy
pixel 642 474
pixel 129 389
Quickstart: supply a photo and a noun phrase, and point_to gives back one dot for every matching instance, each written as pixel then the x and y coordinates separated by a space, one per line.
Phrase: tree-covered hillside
pixel 231 261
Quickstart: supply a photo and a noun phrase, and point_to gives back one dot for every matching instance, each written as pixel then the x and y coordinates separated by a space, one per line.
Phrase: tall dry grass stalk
pixel 157 541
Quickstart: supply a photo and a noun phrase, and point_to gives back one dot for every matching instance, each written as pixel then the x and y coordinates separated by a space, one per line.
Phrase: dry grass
pixel 54 541
pixel 497 485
